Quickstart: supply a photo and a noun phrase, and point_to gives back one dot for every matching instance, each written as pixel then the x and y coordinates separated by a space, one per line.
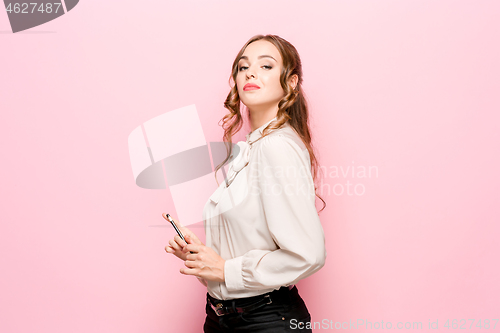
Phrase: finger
pixel 186 232
pixel 190 248
pixel 189 271
pixel 169 249
pixel 177 223
pixel 192 264
pixel 174 245
pixel 180 241
pixel 192 240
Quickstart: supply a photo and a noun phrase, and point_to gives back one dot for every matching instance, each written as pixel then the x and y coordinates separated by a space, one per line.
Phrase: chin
pixel 252 105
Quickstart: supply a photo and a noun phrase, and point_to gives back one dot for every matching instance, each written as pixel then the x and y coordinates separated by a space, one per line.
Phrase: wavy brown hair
pixel 292 108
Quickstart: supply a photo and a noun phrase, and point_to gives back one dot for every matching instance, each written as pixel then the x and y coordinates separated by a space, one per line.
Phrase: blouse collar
pixel 240 161
pixel 252 136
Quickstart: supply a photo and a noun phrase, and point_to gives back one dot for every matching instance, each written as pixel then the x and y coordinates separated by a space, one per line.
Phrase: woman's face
pixel 258 78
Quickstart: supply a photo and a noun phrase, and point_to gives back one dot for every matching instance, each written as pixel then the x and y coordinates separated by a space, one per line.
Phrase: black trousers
pixel 284 314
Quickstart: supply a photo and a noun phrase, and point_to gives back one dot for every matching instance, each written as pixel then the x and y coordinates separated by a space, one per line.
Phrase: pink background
pixel 408 87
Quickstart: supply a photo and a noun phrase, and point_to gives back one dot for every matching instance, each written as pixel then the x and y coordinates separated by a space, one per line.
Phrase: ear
pixel 294 79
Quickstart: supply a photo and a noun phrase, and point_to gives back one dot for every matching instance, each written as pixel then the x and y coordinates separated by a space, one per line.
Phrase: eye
pixel 267 67
pixel 241 68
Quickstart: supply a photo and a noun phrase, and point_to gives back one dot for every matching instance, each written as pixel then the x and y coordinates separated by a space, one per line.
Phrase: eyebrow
pixel 259 57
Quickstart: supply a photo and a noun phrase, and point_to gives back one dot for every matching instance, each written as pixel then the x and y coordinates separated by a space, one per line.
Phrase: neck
pixel 260 117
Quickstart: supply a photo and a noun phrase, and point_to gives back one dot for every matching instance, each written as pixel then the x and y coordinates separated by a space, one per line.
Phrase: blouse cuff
pixel 233 274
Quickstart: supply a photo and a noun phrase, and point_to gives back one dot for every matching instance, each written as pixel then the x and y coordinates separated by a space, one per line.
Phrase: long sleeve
pixel 286 189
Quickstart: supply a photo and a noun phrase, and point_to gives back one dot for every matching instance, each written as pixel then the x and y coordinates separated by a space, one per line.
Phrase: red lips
pixel 250 86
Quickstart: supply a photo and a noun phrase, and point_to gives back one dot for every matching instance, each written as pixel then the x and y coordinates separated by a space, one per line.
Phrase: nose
pixel 250 73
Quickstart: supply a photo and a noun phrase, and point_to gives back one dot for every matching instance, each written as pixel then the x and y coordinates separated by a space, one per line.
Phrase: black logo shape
pixel 26 14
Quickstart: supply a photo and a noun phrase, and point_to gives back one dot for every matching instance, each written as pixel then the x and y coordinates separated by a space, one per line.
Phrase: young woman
pixel 262 228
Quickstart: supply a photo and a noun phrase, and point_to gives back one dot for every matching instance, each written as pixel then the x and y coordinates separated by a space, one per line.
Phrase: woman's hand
pixel 202 281
pixel 203 263
pixel 176 244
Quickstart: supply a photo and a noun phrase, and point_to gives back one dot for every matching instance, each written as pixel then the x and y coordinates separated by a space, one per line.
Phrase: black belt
pixel 226 307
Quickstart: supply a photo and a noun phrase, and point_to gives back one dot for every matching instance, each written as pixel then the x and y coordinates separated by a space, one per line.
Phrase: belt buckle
pixel 218 309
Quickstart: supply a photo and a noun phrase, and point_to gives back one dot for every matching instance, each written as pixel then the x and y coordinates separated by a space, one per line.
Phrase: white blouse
pixel 265 223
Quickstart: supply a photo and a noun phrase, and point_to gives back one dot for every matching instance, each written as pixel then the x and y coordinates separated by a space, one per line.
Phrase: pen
pixel 176 229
